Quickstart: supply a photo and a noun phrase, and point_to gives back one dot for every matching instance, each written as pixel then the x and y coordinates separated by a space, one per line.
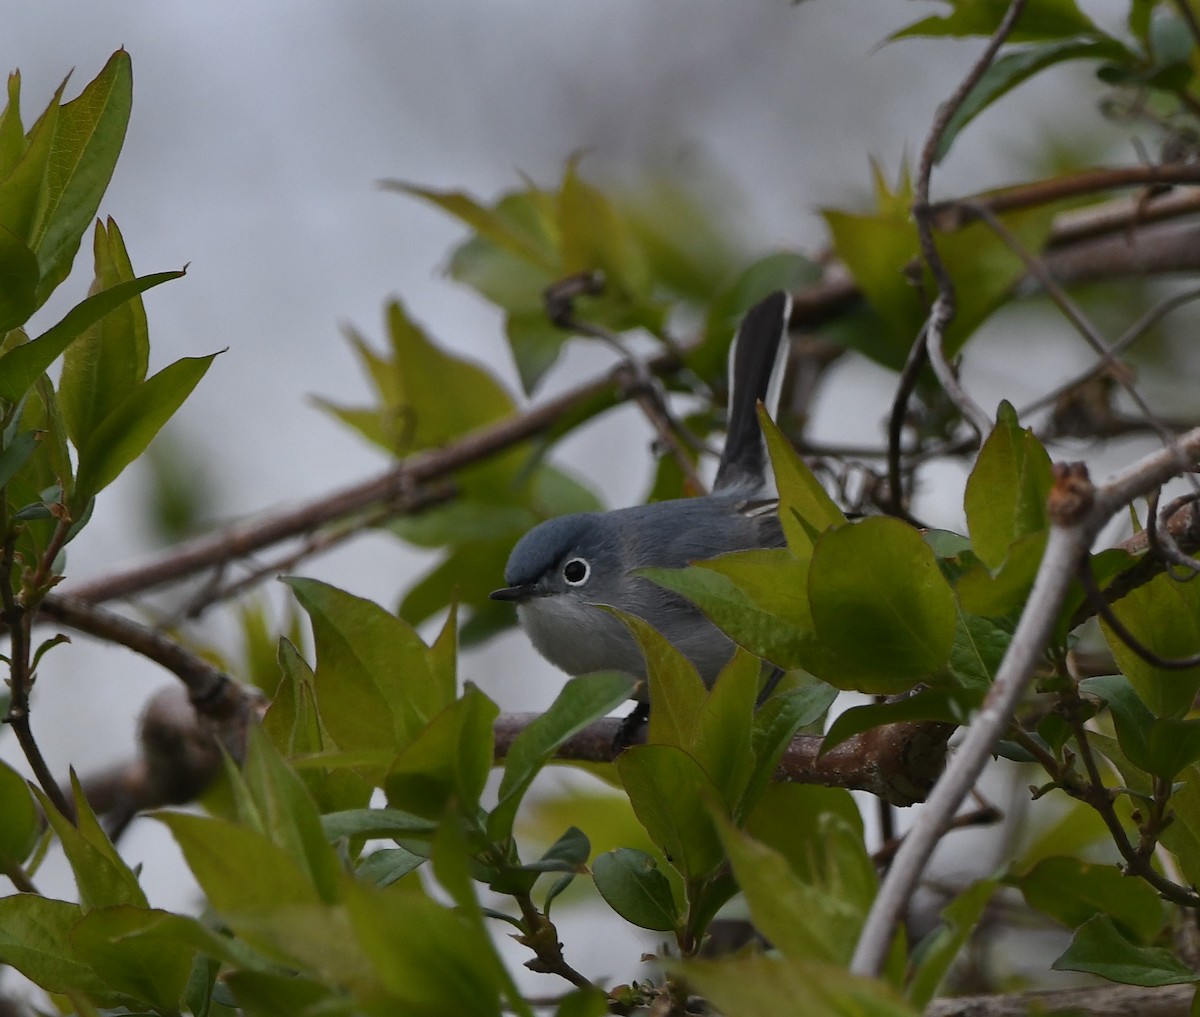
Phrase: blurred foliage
pixel 355 861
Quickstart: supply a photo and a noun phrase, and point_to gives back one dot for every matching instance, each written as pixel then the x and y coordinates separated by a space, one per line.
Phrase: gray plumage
pixel 561 571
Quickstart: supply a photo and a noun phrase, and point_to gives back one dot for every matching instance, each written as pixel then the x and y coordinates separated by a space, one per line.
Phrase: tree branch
pixel 897 762
pixel 1107 1000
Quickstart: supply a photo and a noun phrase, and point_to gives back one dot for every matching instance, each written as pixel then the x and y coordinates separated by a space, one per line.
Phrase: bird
pixel 564 572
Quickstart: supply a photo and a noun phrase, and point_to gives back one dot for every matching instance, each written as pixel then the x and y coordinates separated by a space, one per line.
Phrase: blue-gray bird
pixel 562 570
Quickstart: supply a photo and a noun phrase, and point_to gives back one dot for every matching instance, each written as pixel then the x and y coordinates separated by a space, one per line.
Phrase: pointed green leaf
pixel 1006 493
pixel 722 739
pixel 146 954
pixel 109 360
pixel 675 687
pixel 20 824
pixel 805 508
pixel 289 814
pixel 103 877
pixel 18 281
pixel 87 142
pixel 775 723
pixel 804 921
pixel 757 598
pixel 375 686
pixel 35 938
pixel 1099 948
pixel 671 796
pixel 1074 892
pixel 133 423
pixel 21 366
pixel 238 868
pixel 757 985
pixel 448 760
pixel 430 959
pixel 581 701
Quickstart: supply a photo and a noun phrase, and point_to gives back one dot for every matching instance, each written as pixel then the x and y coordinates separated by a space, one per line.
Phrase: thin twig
pixel 954 214
pixel 1109 359
pixel 943 310
pixel 208 687
pixel 1072 312
pixel 19 620
pixel 917 358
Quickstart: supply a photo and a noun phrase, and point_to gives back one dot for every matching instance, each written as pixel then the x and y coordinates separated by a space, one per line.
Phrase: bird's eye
pixel 576 572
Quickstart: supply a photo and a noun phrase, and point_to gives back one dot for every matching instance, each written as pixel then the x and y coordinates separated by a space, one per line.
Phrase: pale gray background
pixel 257 137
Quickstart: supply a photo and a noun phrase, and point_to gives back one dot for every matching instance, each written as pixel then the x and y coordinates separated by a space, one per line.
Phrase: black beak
pixel 513 592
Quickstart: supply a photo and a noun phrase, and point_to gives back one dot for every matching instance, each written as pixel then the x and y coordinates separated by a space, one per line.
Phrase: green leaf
pixel 805 509
pixel 804 921
pixel 946 706
pixel 936 952
pixel 675 687
pixel 516 225
pixel 100 873
pixel 1165 616
pixel 146 954
pixel 884 615
pixel 430 960
pixel 35 938
pixel 87 142
pixel 26 185
pixel 1011 69
pixel 289 814
pixel 20 824
pixel 1074 892
pixel 21 366
pixel 979 647
pixel 17 454
pixel 581 701
pixel 375 685
pixel 1162 747
pixel 670 794
pixel 239 869
pixel 12 133
pixel 756 985
pixel 790 818
pixel 385 866
pixel 1099 948
pixel 133 423
pixel 428 396
pixel 757 598
pixel 18 281
pixel 722 739
pixel 986 595
pixel 449 759
pixel 630 882
pixel 374 823
pixel 1049 19
pixel 110 359
pixel 775 723
pixel 1006 493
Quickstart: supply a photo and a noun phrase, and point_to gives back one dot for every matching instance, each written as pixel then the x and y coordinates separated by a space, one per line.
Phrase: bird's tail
pixel 757 360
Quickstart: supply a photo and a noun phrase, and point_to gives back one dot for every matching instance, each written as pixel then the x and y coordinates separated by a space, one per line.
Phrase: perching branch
pixel 1078 512
pixel 897 762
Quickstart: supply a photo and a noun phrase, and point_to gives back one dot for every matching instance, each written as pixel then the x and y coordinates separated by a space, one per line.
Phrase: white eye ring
pixel 576 571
